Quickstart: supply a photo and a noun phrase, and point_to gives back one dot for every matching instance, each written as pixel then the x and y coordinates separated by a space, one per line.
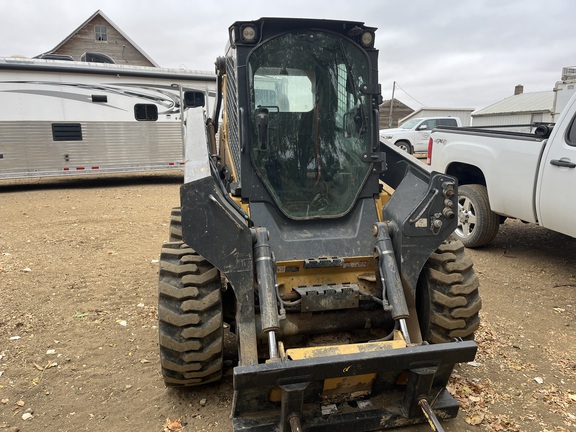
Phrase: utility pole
pixel 391 105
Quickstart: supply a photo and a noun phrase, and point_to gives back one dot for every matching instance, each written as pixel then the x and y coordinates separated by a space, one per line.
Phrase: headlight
pixel 248 33
pixel 386 137
pixel 367 39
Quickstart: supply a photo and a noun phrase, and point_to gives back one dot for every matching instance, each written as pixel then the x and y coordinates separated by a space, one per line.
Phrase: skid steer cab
pixel 327 254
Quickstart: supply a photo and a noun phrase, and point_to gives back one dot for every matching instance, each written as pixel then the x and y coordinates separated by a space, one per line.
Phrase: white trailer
pixel 563 90
pixel 68 118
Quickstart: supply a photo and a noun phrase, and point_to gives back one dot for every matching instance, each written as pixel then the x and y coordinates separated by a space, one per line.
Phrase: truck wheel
pixel 190 320
pixel 448 301
pixel 404 145
pixel 176 224
pixel 477 224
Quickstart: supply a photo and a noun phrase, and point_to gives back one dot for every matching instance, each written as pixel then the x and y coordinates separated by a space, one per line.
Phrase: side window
pixel 146 112
pixel 571 134
pixel 447 122
pixel 66 132
pixel 427 125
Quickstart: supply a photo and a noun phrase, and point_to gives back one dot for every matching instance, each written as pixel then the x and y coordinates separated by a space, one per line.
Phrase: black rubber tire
pixel 477 224
pixel 448 301
pixel 190 319
pixel 404 145
pixel 175 224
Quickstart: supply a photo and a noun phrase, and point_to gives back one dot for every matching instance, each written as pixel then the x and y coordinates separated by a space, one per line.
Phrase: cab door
pixel 422 135
pixel 556 206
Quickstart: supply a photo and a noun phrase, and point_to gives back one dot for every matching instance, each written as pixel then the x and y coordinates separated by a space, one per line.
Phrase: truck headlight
pixel 386 137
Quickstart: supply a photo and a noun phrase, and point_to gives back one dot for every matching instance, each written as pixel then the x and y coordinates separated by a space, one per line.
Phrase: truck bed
pixel 492 131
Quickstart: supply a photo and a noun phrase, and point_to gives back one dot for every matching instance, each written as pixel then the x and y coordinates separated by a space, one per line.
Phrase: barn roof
pixel 109 21
pixel 521 103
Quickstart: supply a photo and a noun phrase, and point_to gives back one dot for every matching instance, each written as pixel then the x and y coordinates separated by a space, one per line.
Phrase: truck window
pixel 410 124
pixel 447 122
pixel 428 125
pixel 571 135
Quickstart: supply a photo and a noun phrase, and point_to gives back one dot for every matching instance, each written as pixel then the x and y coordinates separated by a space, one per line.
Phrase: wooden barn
pixel 98 39
pixel 399 111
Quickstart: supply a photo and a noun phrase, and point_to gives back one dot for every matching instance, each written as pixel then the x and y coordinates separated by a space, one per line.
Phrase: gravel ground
pixel 78 331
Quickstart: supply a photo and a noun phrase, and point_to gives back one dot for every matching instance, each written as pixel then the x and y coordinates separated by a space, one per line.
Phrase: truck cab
pixel 412 136
pixel 503 174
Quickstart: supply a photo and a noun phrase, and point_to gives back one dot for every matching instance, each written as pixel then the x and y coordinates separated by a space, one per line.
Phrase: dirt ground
pixel 78 332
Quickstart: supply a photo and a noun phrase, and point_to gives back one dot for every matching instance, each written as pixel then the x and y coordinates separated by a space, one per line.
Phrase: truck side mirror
pixel 422 127
pixel 194 99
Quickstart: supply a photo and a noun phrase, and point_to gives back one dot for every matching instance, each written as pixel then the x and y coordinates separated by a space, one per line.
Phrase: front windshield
pixel 410 124
pixel 310 122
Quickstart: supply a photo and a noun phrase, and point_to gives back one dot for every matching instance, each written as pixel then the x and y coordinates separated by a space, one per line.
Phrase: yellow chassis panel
pixel 345 387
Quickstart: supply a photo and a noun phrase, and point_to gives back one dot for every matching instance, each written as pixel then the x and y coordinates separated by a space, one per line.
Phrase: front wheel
pixel 477 224
pixel 405 145
pixel 190 319
pixel 448 301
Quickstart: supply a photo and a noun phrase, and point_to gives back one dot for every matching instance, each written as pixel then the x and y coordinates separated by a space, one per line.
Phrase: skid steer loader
pixel 327 254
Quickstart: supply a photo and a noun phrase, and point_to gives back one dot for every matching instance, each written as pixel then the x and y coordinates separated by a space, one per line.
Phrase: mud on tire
pixel 189 317
pixel 448 301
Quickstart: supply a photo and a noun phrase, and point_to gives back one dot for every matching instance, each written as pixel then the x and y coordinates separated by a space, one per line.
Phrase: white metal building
pixel 519 109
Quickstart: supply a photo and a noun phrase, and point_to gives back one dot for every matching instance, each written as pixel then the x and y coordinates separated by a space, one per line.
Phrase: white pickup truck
pixel 412 136
pixel 531 177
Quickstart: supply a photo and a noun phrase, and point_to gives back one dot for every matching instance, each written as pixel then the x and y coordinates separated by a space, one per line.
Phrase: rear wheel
pixel 448 301
pixel 190 319
pixel 477 224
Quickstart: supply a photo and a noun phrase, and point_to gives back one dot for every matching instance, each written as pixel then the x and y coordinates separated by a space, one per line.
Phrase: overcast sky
pixel 442 53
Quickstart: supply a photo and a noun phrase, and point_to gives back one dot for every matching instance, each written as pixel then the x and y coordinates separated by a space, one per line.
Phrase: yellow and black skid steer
pixel 328 254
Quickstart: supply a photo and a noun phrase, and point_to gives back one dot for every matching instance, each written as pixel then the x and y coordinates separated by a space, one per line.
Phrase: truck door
pixel 555 203
pixel 422 135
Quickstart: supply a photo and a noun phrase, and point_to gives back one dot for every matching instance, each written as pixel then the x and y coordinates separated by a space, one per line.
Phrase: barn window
pixel 101 34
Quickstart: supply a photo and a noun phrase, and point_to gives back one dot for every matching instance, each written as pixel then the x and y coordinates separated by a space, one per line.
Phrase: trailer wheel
pixel 176 224
pixel 448 301
pixel 190 320
pixel 477 224
pixel 404 145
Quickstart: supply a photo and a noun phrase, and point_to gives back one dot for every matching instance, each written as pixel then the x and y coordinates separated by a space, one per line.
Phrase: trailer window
pixel 66 131
pixel 146 112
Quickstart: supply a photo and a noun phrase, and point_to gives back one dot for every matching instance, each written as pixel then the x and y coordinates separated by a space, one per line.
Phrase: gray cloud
pixel 456 53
